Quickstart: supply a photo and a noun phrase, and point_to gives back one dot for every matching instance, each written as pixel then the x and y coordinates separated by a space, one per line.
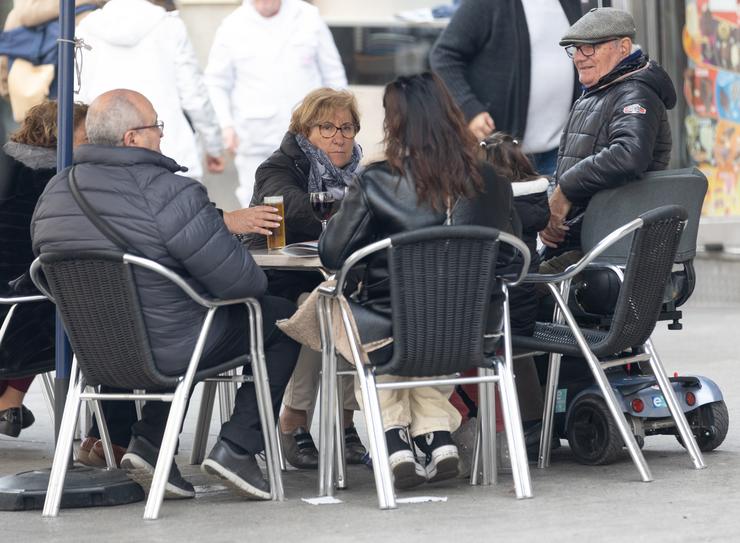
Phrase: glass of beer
pixel 277 239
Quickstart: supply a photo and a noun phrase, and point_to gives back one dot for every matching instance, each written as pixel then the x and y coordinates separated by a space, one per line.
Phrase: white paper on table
pixel 422 499
pixel 322 500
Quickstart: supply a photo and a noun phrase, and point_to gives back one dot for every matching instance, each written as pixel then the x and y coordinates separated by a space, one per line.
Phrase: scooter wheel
pixel 592 433
pixel 709 423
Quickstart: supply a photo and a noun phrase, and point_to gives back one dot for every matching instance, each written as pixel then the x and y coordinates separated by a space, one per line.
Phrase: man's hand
pixel 257 220
pixel 231 140
pixel 482 125
pixel 554 232
pixel 215 164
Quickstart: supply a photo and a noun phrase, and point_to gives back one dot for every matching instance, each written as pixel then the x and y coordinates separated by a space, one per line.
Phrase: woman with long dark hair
pixel 430 176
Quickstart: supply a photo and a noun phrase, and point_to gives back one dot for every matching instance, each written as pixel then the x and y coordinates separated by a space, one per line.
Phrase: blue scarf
pixel 324 175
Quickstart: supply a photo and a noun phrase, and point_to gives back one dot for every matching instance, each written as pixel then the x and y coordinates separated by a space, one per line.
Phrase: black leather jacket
pixel 617 131
pixel 381 203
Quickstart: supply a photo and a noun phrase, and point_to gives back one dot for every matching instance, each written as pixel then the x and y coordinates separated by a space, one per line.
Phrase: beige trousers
pixel 303 386
pixel 423 409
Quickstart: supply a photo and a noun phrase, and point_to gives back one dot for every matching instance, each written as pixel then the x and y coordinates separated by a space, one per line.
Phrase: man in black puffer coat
pixel 617 130
pixel 169 219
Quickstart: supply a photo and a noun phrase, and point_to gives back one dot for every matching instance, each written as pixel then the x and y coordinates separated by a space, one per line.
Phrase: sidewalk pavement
pixel 571 501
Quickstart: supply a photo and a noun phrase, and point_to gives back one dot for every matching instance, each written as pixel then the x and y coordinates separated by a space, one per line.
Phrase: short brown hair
pixel 320 103
pixel 39 127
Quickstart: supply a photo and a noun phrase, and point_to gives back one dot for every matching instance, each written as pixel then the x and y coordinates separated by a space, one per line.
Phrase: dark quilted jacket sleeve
pixel 195 235
pixel 632 138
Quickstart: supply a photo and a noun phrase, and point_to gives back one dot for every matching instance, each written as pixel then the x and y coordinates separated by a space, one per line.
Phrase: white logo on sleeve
pixel 635 108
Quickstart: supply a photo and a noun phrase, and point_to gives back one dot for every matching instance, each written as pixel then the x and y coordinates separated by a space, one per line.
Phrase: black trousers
pixel 244 428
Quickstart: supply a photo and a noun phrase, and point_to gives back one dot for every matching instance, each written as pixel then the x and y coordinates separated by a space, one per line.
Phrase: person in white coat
pixel 140 46
pixel 266 56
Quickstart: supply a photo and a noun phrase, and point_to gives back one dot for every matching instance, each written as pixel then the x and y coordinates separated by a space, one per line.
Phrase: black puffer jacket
pixel 380 204
pixel 162 216
pixel 29 340
pixel 285 173
pixel 617 131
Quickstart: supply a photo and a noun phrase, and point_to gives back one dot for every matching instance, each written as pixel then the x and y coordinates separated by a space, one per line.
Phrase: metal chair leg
pixel 104 433
pixel 227 396
pixel 166 452
pixel 475 467
pixel 64 444
pixel 677 413
pixel 548 415
pixel 606 390
pixel 510 410
pixel 328 402
pixel 487 417
pixel 376 438
pixel 203 424
pixel 341 461
pixel 47 388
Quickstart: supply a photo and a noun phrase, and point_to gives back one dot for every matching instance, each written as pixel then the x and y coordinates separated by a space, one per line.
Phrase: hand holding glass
pixel 322 204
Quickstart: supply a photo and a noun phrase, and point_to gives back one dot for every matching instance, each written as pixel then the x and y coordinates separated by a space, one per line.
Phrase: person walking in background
pixel 139 45
pixel 266 56
pixel 501 62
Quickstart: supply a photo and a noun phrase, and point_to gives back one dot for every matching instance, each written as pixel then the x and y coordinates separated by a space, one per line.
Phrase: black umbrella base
pixel 83 487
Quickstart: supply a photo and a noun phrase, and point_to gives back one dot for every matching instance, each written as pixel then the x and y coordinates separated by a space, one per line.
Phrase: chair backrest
pixel 441 281
pixel 95 293
pixel 610 209
pixel 651 256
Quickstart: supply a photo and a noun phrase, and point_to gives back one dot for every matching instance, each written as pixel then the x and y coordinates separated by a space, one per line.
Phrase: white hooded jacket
pixel 260 68
pixel 140 46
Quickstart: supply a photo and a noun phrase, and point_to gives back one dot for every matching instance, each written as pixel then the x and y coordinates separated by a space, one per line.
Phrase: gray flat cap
pixel 600 24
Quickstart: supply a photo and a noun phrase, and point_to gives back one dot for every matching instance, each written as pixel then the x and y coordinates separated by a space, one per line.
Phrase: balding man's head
pixel 123 117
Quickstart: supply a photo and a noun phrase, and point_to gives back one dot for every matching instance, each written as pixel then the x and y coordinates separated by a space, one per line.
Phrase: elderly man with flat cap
pixel 617 130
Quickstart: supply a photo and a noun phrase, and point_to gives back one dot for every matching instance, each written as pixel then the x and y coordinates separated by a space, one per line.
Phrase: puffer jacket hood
pixel 36 158
pixel 124 22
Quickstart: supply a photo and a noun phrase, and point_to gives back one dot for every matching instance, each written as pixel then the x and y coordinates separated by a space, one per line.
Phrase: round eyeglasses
pixel 348 130
pixel 586 49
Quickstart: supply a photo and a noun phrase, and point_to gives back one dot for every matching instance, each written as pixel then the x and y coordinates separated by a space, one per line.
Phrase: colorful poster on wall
pixel 711 40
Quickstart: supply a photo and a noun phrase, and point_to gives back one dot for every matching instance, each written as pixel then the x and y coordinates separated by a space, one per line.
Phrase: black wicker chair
pixel 96 295
pixel 656 235
pixel 442 280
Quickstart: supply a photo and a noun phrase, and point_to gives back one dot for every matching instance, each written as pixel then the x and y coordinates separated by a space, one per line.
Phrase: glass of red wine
pixel 322 204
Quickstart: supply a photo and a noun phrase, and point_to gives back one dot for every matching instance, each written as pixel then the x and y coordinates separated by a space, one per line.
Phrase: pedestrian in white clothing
pixel 266 56
pixel 140 46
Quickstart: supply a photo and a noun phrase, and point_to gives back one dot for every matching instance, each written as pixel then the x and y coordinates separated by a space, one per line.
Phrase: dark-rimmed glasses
pixel 158 124
pixel 586 49
pixel 348 130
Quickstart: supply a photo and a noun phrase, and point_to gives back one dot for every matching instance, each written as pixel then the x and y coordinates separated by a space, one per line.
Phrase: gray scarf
pixel 324 175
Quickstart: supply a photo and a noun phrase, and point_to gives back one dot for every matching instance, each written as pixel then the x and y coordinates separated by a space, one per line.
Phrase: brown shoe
pixel 97 455
pixel 83 455
pixel 299 449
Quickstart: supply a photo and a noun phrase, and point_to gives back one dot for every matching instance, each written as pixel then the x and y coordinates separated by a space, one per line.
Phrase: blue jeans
pixel 546 162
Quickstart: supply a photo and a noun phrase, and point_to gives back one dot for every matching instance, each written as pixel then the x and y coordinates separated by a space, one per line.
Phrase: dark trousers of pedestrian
pixel 244 429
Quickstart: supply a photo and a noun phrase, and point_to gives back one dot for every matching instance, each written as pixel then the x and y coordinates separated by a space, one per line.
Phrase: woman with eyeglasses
pixel 318 155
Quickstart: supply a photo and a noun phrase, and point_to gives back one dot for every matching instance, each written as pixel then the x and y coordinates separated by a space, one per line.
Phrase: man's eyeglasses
pixel 348 130
pixel 587 49
pixel 158 124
